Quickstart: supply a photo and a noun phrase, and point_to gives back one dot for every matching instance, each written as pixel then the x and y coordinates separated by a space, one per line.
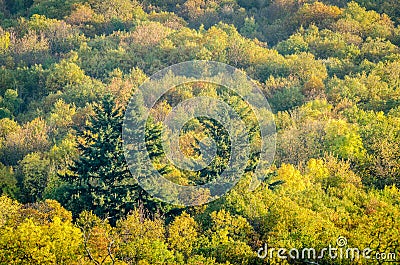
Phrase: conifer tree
pixel 100 178
pixel 137 148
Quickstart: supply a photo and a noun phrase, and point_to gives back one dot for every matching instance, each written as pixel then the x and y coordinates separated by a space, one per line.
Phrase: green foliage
pixel 380 137
pixel 8 182
pixel 344 140
pixel 34 176
pixel 51 8
pixel 295 44
pixel 61 117
pixel 250 28
pixel 65 74
pixel 10 103
pixel 287 98
pixel 18 6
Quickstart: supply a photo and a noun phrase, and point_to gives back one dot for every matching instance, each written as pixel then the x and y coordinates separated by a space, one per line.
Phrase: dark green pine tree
pixel 143 156
pixel 100 179
pixel 223 144
pixel 222 140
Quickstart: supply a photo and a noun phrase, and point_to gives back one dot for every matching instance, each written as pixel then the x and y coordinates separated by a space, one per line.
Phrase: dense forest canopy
pixel 330 70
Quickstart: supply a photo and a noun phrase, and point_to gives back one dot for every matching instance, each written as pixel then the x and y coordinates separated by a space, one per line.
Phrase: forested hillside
pixel 330 70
